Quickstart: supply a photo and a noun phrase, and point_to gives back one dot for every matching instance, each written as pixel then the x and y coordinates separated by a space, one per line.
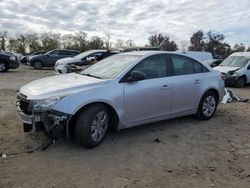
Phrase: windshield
pixel 110 67
pixel 84 54
pixel 235 61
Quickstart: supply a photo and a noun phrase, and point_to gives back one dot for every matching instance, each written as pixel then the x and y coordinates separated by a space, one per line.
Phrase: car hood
pixel 67 60
pixel 226 69
pixel 59 85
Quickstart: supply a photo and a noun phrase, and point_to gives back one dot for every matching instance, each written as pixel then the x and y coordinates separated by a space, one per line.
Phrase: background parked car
pixel 75 63
pixel 213 62
pixel 236 69
pixel 24 59
pixel 49 59
pixel 8 61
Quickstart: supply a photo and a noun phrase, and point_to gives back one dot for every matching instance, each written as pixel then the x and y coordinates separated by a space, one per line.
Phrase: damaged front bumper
pixel 50 122
pixel 231 80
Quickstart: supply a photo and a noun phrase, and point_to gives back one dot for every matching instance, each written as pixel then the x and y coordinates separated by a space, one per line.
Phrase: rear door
pixel 150 98
pixel 188 80
pixel 52 58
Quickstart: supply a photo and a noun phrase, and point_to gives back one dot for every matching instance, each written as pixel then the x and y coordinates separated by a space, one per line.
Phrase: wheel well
pixel 4 61
pixel 114 118
pixel 244 76
pixel 215 92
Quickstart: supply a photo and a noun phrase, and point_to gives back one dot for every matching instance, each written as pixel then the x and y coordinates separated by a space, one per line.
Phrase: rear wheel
pixel 38 65
pixel 240 82
pixel 207 106
pixel 91 125
pixel 3 67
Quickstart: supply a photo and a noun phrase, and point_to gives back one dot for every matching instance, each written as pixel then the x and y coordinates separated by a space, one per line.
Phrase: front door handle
pixel 164 87
pixel 197 81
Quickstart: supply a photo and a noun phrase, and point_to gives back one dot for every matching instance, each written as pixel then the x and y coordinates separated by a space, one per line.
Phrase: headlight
pixel 12 58
pixel 46 104
pixel 236 74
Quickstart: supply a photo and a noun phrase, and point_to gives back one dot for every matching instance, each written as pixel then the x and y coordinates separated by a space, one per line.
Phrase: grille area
pixel 25 105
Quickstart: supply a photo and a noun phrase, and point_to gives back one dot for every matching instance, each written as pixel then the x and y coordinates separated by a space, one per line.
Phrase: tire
pixel 241 82
pixel 207 106
pixel 91 125
pixel 37 65
pixel 3 67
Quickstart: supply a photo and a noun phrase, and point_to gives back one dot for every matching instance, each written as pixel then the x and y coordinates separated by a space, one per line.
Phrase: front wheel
pixel 91 125
pixel 207 106
pixel 38 65
pixel 3 67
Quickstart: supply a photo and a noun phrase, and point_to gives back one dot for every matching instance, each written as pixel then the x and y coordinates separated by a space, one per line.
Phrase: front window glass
pixel 53 53
pixel 110 67
pixel 153 67
pixel 235 61
pixel 84 54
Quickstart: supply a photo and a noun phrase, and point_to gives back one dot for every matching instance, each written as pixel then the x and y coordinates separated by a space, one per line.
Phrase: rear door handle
pixel 164 87
pixel 197 81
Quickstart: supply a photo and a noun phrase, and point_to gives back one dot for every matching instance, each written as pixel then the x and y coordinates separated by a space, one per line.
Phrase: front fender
pixel 74 102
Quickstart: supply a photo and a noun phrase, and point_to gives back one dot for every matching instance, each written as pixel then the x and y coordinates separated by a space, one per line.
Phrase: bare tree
pixel 184 45
pixel 3 40
pixel 130 43
pixel 107 41
pixel 95 43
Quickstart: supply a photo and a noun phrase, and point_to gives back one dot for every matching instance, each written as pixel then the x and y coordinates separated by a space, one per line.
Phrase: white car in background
pixel 81 61
pixel 236 69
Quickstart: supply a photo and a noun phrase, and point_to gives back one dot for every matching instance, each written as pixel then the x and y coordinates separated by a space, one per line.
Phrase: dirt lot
pixel 190 153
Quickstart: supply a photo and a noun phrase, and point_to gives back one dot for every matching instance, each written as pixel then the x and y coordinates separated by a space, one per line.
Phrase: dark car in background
pixel 49 59
pixel 25 58
pixel 213 62
pixel 141 49
pixel 8 61
pixel 73 64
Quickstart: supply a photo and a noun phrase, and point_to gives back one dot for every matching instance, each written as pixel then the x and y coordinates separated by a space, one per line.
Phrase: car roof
pixel 154 52
pixel 245 54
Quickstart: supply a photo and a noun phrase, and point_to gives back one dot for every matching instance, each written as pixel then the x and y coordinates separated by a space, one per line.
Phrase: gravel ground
pixel 188 152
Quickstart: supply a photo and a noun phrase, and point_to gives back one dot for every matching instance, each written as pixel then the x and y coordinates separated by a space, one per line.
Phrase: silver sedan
pixel 123 90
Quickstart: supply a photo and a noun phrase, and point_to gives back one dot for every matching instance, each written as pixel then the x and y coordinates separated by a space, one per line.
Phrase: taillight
pixel 222 76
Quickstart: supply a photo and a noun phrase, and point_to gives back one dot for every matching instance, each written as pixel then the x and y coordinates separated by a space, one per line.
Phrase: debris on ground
pixel 4 155
pixel 230 97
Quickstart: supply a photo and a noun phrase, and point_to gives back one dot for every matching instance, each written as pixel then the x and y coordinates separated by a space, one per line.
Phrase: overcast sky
pixel 129 19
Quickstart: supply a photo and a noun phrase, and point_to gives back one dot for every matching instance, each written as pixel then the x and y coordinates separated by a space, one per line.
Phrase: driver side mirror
pixel 136 76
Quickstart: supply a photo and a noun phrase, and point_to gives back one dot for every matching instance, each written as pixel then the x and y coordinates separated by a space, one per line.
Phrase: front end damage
pixel 52 123
pixel 232 77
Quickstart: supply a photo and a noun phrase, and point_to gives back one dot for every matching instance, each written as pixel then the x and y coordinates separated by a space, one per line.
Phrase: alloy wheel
pixel 209 106
pixel 99 126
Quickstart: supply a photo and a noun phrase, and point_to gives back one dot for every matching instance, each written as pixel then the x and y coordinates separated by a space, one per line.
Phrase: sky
pixel 129 19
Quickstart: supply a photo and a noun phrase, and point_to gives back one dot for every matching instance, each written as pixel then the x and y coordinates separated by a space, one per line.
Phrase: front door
pixel 151 98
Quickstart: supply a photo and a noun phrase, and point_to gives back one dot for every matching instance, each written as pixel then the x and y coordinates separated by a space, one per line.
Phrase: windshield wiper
pixel 90 75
